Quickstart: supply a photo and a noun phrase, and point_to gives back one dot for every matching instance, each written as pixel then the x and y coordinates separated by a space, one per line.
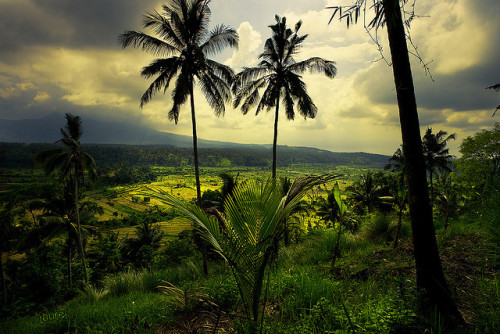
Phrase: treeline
pixel 20 155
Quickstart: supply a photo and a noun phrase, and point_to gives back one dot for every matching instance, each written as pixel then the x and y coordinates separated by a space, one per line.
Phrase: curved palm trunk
pixel 80 243
pixel 197 173
pixel 430 277
pixel 275 139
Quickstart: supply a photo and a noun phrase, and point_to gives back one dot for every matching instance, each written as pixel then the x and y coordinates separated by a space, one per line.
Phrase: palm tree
pixel 396 162
pixel 182 35
pixel 57 219
pixel 72 165
pixel 398 199
pixel 364 193
pixel 279 73
pixel 430 275
pixel 436 155
pixel 245 234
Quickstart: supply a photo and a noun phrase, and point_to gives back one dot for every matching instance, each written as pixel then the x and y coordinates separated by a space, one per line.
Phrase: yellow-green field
pixel 181 183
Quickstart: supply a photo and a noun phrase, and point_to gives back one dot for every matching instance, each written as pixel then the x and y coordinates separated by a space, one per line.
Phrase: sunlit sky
pixel 64 56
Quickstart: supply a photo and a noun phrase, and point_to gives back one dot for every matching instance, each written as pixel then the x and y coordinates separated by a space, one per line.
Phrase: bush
pixel 377 228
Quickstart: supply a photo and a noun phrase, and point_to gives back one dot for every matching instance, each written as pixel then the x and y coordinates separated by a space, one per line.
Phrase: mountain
pixel 119 142
pixel 47 130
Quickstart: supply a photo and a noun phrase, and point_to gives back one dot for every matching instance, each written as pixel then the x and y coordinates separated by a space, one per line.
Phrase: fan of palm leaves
pixel 245 234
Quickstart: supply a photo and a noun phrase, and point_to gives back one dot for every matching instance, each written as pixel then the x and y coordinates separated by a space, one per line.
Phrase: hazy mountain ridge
pixel 126 142
pixel 47 130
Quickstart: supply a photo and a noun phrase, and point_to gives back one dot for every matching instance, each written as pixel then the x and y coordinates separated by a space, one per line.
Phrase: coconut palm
pixel 396 162
pixel 392 15
pixel 245 234
pixel 436 155
pixel 364 194
pixel 181 34
pixel 72 164
pixel 279 75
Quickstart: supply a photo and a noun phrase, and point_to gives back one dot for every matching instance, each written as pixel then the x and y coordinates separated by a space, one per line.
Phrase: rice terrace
pixel 214 166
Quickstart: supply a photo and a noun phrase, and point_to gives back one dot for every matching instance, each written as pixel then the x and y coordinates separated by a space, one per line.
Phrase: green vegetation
pixel 371 286
pixel 222 246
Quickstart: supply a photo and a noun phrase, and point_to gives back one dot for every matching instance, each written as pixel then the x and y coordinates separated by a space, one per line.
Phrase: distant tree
pixel 364 194
pixel 396 162
pixel 58 220
pixel 72 164
pixel 398 199
pixel 430 276
pixel 182 35
pixel 279 75
pixel 436 155
pixel 139 249
pixel 480 161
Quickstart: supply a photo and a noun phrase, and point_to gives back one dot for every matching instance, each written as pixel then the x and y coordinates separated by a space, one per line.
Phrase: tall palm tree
pixel 72 164
pixel 430 275
pixel 279 74
pixel 182 35
pixel 436 155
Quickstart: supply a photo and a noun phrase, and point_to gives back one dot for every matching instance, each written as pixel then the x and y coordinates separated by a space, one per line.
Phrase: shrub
pixel 377 227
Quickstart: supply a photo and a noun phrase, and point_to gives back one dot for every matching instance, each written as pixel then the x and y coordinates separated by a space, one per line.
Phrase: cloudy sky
pixel 64 56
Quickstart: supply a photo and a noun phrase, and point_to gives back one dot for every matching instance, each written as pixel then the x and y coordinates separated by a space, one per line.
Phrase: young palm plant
pixel 279 73
pixel 245 234
pixel 72 165
pixel 182 35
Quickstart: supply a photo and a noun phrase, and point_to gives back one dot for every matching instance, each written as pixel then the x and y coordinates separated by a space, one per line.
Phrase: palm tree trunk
pixel 4 284
pixel 275 139
pixel 195 146
pixel 80 243
pixel 197 174
pixel 430 278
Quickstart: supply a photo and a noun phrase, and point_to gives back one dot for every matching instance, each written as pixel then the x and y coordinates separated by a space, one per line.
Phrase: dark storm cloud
pixel 70 23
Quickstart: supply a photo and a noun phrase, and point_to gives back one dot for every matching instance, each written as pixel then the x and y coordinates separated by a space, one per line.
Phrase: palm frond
pixel 147 43
pixel 220 37
pixel 180 94
pixel 167 68
pixel 161 25
pixel 315 65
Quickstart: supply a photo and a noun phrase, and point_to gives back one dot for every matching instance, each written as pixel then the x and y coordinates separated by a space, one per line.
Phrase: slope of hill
pixel 118 143
pixel 46 130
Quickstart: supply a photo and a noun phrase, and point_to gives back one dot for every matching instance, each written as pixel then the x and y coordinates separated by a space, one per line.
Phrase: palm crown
pixel 182 35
